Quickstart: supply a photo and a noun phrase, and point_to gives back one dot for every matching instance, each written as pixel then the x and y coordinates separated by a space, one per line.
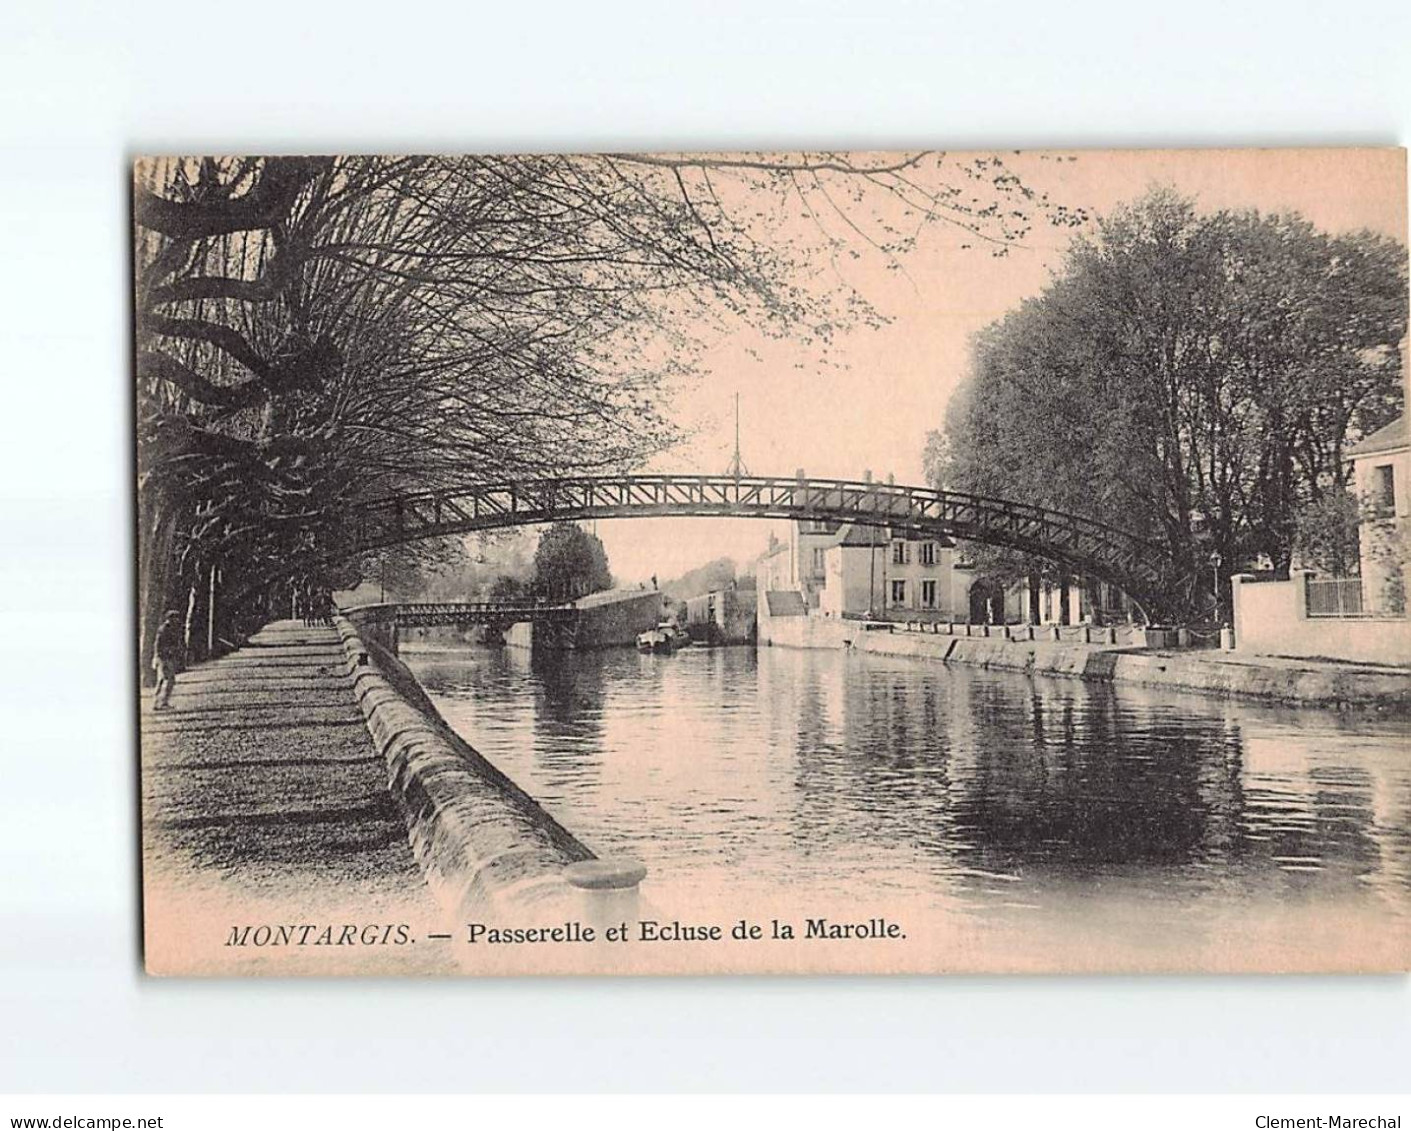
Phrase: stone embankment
pixel 480 839
pixel 264 801
pixel 1269 678
pixel 309 770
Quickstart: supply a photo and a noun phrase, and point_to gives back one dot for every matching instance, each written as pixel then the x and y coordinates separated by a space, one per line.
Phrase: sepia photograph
pixel 750 563
pixel 773 562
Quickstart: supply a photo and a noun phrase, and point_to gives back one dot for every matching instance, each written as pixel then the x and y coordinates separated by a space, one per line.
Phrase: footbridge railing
pixel 429 614
pixel 1138 566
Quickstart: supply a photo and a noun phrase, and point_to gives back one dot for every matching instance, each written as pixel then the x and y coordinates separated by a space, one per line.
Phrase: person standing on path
pixel 166 656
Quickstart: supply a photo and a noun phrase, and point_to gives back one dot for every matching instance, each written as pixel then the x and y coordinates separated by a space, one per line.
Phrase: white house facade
pixel 1381 472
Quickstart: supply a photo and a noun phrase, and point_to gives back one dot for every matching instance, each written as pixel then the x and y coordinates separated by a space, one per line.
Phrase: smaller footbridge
pixel 436 613
pixel 383 623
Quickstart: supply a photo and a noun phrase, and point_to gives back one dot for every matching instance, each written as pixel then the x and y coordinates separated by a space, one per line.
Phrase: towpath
pixel 264 800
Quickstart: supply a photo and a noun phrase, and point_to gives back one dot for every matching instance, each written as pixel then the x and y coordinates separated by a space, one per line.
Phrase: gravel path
pixel 261 790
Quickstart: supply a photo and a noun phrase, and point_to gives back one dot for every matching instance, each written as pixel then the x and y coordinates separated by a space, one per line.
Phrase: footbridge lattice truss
pixel 1138 566
pixel 497 613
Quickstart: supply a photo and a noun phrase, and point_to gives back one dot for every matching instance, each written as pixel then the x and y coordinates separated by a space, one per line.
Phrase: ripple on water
pixel 954 787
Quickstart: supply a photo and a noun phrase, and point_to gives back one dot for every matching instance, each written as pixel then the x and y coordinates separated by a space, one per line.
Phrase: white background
pixel 83 88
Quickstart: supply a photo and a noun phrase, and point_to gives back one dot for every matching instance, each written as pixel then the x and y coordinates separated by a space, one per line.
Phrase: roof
pixel 865 536
pixel 613 596
pixel 1387 439
pixel 785 603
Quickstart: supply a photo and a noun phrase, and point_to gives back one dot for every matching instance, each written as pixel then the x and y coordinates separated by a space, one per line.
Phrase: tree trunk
pixel 154 580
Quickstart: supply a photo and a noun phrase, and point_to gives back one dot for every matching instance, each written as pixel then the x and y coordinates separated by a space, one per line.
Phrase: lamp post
pixel 1215 561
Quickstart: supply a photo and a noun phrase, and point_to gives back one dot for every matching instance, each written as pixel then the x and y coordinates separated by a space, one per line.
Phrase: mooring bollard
pixel 607 889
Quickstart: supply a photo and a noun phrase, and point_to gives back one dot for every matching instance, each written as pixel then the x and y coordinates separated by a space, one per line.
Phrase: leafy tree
pixel 570 562
pixel 717 573
pixel 1326 537
pixel 506 588
pixel 1192 378
pixel 314 332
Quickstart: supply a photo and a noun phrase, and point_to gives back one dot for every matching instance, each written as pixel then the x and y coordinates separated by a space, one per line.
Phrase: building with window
pixel 1381 472
pixel 722 616
pixel 842 570
pixel 874 570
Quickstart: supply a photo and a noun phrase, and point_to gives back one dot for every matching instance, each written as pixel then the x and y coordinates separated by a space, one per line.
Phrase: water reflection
pixel 982 791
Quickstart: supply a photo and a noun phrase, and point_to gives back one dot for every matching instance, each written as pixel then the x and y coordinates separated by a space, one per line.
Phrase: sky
pixel 886 388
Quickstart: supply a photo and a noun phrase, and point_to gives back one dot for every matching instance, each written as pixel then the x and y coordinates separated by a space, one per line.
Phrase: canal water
pixel 1052 808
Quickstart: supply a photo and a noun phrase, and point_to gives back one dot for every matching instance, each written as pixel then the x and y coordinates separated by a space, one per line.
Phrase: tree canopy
pixel 1195 378
pixel 311 332
pixel 570 563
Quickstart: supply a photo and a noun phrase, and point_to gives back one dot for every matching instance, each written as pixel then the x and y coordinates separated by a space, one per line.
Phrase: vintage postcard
pixel 916 562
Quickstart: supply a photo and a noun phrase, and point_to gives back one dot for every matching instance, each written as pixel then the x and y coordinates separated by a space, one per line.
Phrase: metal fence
pixel 1335 597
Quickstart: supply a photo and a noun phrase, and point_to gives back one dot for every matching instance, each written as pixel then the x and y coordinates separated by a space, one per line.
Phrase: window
pixel 928 594
pixel 928 553
pixel 901 553
pixel 899 592
pixel 1384 489
pixel 819 562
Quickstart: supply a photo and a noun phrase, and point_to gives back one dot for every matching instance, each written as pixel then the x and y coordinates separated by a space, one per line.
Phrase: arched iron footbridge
pixel 1139 567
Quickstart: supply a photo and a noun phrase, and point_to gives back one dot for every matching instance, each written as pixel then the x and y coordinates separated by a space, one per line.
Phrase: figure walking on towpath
pixel 166 657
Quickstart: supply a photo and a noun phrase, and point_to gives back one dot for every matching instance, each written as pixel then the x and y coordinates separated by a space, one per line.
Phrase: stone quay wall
pixel 376 624
pixel 482 842
pixel 1271 618
pixel 611 619
pixel 1209 672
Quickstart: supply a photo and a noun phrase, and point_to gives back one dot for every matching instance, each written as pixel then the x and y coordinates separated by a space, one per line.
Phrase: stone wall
pixel 376 624
pixel 614 618
pixel 605 620
pixel 804 631
pixel 481 841
pixel 1201 671
pixel 1271 619
pixel 1214 673
pixel 520 635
